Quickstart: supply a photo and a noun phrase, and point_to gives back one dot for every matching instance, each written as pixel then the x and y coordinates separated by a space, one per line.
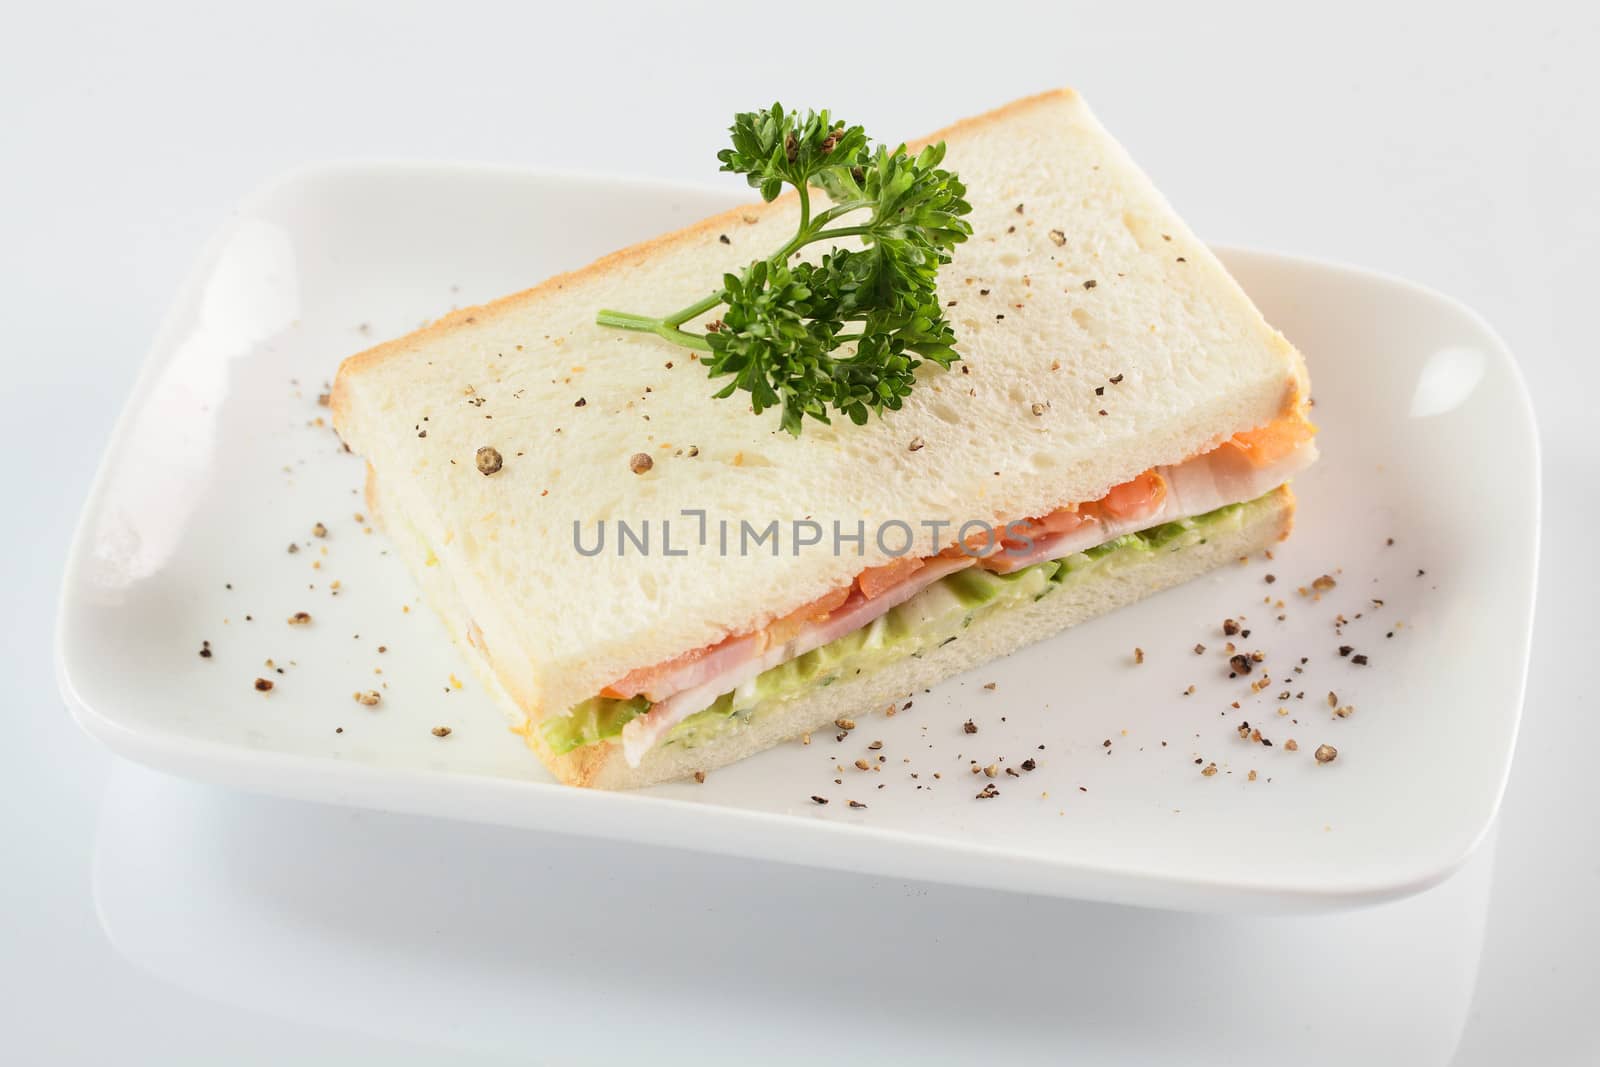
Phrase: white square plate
pixel 223 459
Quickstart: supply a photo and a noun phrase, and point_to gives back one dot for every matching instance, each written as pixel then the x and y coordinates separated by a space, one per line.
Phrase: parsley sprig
pixel 784 333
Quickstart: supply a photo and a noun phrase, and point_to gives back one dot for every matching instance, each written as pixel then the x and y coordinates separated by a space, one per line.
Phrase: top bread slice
pixel 1099 338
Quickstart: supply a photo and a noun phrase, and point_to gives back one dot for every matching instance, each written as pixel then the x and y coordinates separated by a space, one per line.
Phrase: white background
pixel 148 920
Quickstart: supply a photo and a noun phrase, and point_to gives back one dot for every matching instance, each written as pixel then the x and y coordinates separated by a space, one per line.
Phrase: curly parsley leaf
pixel 786 333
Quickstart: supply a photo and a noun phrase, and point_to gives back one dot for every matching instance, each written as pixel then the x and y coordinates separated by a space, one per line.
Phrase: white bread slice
pixel 992 635
pixel 1056 204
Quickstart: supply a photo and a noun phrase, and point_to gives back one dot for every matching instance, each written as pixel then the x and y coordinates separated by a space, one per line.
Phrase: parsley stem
pixel 840 231
pixel 663 328
pixel 806 234
pixel 802 237
pixel 841 209
pixel 809 231
pixel 626 320
pixel 699 307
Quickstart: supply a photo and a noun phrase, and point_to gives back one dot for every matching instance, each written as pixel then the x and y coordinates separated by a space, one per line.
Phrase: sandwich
pixel 655 578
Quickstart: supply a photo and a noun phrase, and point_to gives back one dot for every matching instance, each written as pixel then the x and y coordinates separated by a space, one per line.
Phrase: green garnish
pixel 783 320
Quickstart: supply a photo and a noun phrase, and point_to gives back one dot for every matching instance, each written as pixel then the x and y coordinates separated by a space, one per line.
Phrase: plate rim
pixel 852 846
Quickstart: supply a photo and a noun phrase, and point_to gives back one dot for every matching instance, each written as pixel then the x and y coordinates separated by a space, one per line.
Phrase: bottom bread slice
pixel 990 636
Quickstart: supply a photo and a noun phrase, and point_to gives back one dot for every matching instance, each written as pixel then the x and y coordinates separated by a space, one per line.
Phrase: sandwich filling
pixel 909 605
